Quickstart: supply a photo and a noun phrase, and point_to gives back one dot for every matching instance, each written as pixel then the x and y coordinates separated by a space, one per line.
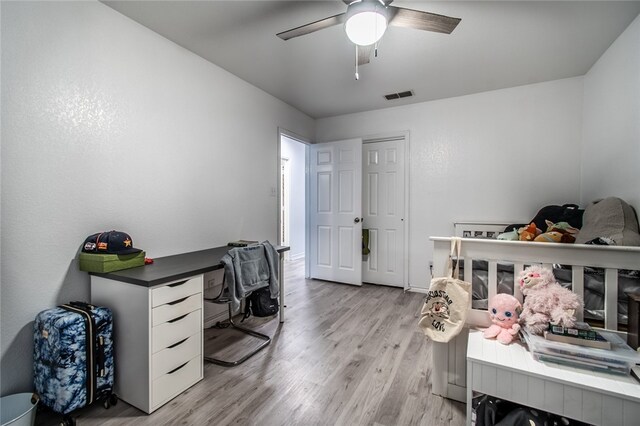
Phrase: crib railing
pixel 449 359
pixel 520 253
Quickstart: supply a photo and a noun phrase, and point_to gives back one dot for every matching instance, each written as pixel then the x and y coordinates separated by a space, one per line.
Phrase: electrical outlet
pixel 210 284
pixel 273 192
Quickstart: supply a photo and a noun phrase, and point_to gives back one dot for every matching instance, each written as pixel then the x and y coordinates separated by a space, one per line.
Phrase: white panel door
pixel 335 210
pixel 383 205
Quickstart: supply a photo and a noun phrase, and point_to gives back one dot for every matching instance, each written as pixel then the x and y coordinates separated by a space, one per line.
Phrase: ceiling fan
pixel 367 20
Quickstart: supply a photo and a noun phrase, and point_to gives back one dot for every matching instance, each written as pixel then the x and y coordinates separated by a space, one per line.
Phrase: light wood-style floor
pixel 345 356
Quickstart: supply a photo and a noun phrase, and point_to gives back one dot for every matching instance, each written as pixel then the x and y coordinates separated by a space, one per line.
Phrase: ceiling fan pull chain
pixel 357 76
pixel 375 47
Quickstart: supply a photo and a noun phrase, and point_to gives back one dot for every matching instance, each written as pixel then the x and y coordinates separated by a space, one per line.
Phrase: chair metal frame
pixel 220 299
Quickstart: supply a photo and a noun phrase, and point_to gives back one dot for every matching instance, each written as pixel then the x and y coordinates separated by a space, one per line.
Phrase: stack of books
pixel 581 334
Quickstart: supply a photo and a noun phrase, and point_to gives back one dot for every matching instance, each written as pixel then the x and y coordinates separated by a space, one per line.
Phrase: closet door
pixel 383 206
pixel 335 211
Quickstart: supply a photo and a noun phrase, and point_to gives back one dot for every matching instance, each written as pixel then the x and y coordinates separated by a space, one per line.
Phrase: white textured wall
pixel 493 156
pixel 107 125
pixel 295 152
pixel 611 123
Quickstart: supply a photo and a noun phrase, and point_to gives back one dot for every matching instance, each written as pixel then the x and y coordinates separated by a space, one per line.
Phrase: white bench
pixel 510 372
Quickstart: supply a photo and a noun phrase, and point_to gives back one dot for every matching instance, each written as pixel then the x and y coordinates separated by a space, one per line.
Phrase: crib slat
pixel 468 269
pixel 611 299
pixel 461 360
pixel 517 293
pixel 577 285
pixel 440 259
pixel 452 364
pixel 440 374
pixel 493 278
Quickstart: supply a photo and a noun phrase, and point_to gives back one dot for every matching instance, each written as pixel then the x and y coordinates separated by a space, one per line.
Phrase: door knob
pixel 357 220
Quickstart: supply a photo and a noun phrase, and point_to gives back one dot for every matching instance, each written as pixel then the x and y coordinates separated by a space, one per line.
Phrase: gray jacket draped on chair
pixel 250 268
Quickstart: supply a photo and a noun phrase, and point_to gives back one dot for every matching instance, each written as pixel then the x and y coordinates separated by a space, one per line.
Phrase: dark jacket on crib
pixel 250 268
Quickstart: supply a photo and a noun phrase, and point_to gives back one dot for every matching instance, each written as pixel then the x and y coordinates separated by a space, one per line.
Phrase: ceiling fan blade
pixel 409 18
pixel 364 54
pixel 312 27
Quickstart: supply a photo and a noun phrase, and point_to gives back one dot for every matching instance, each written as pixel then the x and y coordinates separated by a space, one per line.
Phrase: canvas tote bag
pixel 445 308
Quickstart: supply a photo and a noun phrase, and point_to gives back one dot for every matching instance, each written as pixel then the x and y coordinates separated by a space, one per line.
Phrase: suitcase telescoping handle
pixel 90 327
pixel 82 305
pixel 99 341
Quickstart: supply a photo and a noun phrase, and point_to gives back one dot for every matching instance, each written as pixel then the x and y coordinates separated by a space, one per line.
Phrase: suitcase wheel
pixel 112 399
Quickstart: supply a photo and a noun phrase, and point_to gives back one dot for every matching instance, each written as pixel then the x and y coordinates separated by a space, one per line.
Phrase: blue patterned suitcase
pixel 73 357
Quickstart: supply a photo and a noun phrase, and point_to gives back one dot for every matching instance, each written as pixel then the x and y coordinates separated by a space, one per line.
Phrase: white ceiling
pixel 497 45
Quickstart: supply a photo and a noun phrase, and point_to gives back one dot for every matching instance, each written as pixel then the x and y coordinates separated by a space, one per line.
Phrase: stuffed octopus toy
pixel 546 301
pixel 504 311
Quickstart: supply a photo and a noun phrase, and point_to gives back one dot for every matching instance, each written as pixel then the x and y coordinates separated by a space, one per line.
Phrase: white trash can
pixel 18 409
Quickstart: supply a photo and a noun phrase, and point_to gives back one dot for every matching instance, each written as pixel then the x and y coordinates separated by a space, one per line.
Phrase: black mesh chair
pixel 224 297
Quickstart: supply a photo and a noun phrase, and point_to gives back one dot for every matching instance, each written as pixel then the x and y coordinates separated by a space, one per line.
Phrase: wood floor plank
pixel 346 356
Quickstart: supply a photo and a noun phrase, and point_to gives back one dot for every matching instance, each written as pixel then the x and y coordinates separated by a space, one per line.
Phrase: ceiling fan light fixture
pixel 366 22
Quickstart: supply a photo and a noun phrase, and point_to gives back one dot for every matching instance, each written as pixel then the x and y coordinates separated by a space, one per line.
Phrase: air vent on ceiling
pixel 399 95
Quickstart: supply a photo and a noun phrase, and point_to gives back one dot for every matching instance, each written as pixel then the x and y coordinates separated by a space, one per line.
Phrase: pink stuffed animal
pixel 546 301
pixel 504 311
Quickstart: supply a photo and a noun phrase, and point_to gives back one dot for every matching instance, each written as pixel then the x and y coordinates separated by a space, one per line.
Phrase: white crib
pixel 449 359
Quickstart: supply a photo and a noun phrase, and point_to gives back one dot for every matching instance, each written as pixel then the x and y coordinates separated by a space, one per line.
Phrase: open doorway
pixel 292 197
pixel 357 211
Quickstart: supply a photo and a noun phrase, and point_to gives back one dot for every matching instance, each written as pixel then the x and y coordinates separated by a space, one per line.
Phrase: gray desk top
pixel 171 268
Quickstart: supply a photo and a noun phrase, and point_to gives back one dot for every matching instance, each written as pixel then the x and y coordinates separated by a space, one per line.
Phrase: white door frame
pixel 376 137
pixel 285 203
pixel 298 138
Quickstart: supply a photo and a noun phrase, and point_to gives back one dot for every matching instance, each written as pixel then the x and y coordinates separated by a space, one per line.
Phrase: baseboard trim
pixel 211 321
pixel 296 256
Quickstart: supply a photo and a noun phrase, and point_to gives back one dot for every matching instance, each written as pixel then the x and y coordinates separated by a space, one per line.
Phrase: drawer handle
pixel 178 368
pixel 178 319
pixel 177 344
pixel 175 302
pixel 177 284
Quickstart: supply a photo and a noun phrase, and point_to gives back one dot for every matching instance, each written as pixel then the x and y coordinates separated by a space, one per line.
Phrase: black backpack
pixel 260 304
pixel 569 213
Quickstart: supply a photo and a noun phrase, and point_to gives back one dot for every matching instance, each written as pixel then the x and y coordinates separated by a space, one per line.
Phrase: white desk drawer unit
pixel 510 372
pixel 162 343
pixel 176 338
